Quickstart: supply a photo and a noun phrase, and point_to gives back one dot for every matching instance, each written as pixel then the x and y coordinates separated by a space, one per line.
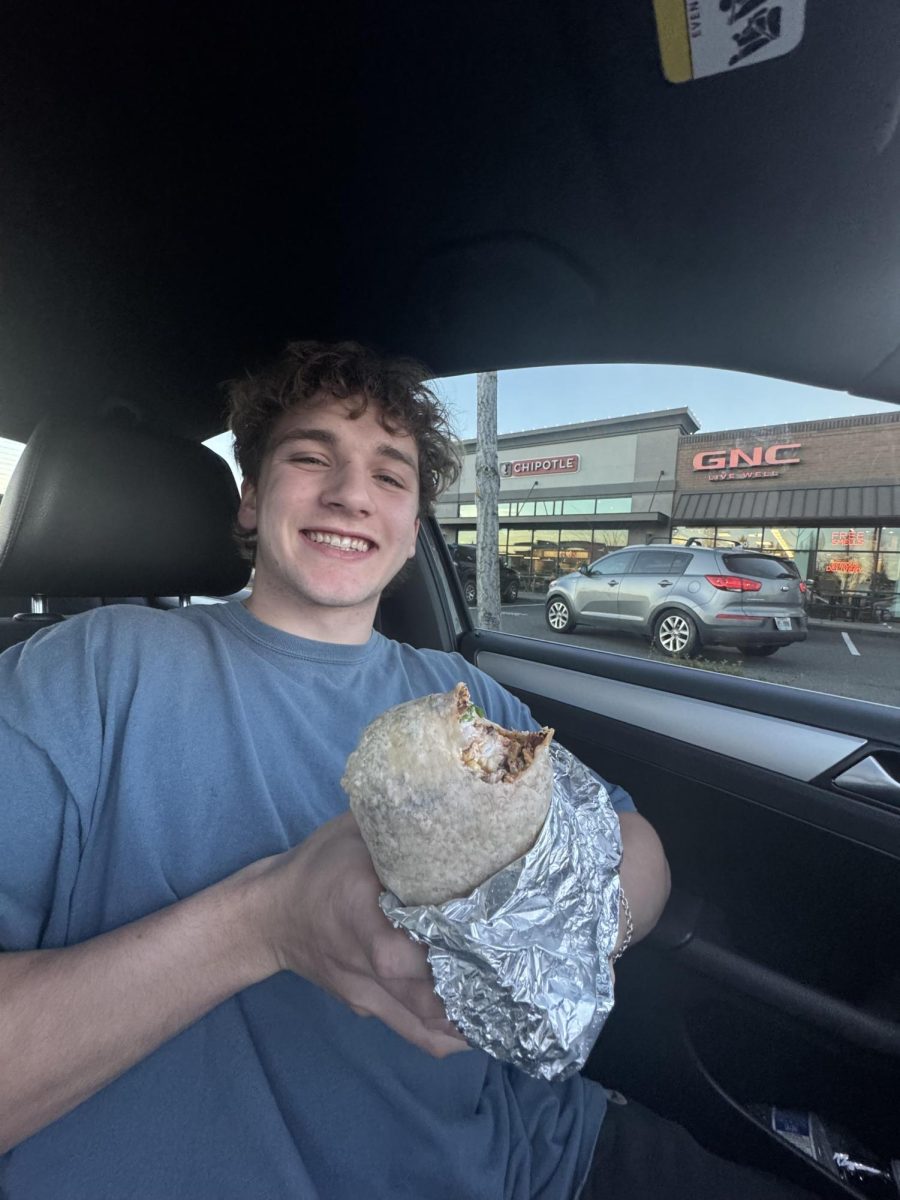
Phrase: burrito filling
pixel 495 754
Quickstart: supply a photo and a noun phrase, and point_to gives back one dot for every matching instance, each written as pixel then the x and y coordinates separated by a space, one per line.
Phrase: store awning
pixel 873 502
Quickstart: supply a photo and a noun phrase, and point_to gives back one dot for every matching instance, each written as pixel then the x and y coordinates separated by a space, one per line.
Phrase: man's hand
pixel 321 918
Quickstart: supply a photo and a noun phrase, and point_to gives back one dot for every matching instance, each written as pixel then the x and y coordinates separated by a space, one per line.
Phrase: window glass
pixel 608 539
pixel 704 535
pixel 846 539
pixel 614 504
pixel 655 562
pixel 466 537
pixel 613 564
pixel 565 516
pixel 758 566
pixel 576 549
pixel 735 536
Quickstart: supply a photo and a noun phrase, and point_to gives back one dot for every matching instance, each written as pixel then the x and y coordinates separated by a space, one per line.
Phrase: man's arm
pixel 643 874
pixel 73 1020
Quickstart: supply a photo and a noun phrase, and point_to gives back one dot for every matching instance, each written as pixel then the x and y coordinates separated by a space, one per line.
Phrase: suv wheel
pixel 469 592
pixel 559 615
pixel 511 594
pixel 676 634
pixel 759 651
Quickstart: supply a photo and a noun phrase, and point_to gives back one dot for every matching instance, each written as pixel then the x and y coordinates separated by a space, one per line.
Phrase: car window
pixel 613 564
pixel 10 453
pixel 654 562
pixel 644 477
pixel 761 567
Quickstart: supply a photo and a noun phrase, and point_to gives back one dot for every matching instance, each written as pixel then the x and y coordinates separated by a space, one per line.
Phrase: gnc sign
pixel 781 455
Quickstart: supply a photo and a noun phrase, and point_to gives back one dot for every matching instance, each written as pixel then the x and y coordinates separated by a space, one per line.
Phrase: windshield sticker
pixel 698 38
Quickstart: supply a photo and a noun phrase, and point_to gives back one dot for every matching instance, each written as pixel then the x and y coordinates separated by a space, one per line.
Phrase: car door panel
pixel 778 934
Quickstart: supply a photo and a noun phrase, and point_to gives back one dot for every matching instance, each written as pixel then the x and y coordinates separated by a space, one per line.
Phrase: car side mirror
pixel 584 570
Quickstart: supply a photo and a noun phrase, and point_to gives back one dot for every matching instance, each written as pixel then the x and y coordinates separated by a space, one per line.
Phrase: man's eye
pixel 308 458
pixel 392 479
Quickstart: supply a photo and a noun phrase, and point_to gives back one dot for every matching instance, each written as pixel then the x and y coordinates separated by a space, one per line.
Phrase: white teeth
pixel 342 543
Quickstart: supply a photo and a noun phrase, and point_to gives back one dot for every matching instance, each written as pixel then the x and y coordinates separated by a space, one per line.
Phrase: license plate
pixel 783 623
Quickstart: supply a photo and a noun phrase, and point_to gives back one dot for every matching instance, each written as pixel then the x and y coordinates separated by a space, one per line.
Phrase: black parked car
pixel 464 558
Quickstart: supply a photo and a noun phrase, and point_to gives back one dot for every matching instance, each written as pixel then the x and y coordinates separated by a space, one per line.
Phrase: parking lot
pixel 847 661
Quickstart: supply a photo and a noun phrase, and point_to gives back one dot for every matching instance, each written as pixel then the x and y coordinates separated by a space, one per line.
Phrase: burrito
pixel 444 798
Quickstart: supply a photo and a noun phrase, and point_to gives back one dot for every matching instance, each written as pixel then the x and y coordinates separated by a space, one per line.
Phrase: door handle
pixel 870 778
pixel 613 583
pixel 665 583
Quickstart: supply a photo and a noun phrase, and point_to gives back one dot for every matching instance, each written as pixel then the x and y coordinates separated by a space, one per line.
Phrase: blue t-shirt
pixel 147 755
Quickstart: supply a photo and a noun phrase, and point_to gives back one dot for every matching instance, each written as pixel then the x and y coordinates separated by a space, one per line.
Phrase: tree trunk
pixel 487 495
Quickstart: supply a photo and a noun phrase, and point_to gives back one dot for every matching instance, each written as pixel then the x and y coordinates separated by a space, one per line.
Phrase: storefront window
pixel 576 549
pixel 544 558
pixel 582 506
pixel 889 543
pixel 705 534
pixel 613 504
pixel 739 537
pixel 846 540
pixel 468 510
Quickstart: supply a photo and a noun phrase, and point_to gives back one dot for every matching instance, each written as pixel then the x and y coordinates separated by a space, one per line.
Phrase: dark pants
pixel 641 1156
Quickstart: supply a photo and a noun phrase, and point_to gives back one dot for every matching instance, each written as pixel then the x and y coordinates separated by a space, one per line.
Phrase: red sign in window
pixel 844 566
pixel 847 537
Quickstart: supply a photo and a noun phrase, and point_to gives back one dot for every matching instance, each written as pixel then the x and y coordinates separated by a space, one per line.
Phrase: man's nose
pixel 349 486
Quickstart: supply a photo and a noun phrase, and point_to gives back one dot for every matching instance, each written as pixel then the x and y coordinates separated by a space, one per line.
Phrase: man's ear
pixel 412 551
pixel 246 516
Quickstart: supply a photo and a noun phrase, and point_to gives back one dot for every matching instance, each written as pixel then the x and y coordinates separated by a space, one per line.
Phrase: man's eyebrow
pixel 300 434
pixel 388 451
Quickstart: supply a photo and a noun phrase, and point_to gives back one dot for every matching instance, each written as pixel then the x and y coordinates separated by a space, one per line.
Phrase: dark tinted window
pixel 661 562
pixel 612 564
pixel 760 566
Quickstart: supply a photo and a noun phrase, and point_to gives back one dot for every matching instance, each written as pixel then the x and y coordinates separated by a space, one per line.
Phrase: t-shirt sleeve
pixel 506 709
pixel 49 743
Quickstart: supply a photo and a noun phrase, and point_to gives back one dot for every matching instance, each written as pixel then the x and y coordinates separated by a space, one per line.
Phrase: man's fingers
pixel 432 1037
pixel 394 955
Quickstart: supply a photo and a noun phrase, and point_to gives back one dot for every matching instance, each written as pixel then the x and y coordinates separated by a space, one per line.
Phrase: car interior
pixel 185 188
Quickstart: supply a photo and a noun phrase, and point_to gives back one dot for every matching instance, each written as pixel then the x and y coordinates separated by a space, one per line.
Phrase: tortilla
pixel 445 798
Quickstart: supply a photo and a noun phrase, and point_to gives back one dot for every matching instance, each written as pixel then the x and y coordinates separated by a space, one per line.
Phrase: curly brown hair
pixel 346 370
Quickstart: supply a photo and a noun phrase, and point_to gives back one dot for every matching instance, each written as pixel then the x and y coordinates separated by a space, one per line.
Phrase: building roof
pixel 662 418
pixel 791 428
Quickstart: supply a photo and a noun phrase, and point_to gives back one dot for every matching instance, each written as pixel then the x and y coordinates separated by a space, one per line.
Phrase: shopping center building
pixel 570 493
pixel 826 493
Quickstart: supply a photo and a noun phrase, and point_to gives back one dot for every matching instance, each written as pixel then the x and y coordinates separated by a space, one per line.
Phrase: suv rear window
pixel 652 562
pixel 761 566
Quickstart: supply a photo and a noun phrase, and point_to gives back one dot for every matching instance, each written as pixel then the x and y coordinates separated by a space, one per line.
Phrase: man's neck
pixel 339 626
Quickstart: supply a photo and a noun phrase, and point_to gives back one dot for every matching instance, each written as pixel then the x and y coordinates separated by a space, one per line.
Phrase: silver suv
pixel 685 597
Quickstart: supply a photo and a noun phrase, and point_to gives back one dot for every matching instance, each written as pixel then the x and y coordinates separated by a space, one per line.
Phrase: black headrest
pixel 112 508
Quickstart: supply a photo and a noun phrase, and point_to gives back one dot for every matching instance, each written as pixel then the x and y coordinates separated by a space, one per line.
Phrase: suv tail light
pixel 802 586
pixel 734 583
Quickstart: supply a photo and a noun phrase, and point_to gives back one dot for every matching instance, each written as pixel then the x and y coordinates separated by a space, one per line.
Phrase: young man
pixel 199 996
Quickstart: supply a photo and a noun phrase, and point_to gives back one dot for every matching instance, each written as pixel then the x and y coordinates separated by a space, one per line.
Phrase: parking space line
pixel 850 646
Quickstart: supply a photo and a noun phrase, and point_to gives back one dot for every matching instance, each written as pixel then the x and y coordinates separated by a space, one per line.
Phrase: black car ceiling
pixel 184 187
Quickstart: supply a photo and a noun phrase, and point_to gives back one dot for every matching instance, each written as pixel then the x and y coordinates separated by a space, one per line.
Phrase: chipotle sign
pixel 540 466
pixel 759 462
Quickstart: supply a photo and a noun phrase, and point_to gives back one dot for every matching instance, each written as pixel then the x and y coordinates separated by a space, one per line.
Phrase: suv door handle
pixel 613 583
pixel 665 583
pixel 869 777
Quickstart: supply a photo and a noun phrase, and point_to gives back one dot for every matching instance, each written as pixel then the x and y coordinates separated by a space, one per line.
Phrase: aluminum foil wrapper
pixel 522 964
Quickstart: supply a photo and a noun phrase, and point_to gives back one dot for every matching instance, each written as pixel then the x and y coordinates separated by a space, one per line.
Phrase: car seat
pixel 114 508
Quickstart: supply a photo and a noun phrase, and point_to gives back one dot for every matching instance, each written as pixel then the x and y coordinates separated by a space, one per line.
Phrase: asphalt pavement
pixel 845 660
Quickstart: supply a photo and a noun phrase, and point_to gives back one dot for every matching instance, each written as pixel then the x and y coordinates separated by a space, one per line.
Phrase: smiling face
pixel 335 513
